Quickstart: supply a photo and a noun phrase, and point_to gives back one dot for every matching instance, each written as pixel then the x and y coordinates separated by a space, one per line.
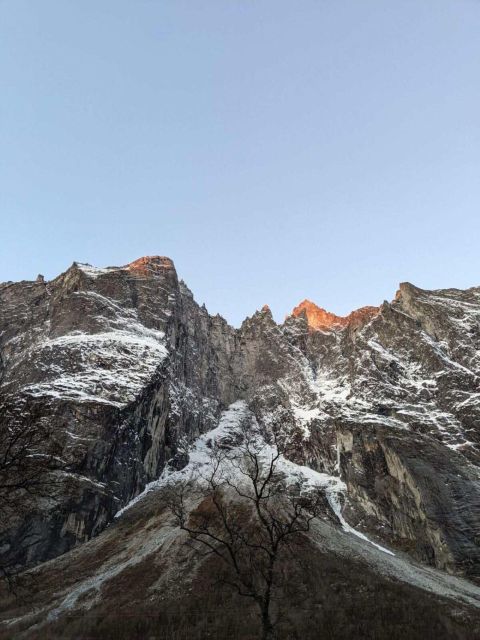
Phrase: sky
pixel 275 150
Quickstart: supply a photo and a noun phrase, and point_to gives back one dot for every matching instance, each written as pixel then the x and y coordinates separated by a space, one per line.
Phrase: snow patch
pixel 109 367
pixel 230 421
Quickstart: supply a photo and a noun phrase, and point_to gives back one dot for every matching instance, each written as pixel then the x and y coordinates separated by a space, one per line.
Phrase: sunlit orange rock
pixel 147 264
pixel 319 319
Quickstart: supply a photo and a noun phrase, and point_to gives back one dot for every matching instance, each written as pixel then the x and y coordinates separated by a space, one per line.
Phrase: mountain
pixel 126 374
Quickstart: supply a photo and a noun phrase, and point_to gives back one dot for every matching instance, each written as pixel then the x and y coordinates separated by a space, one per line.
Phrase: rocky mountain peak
pixel 151 264
pixel 147 266
pixel 361 316
pixel 266 313
pixel 319 319
pixel 406 291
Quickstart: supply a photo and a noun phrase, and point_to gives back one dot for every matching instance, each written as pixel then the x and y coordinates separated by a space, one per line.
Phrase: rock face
pixel 121 364
pixel 320 319
pixel 126 369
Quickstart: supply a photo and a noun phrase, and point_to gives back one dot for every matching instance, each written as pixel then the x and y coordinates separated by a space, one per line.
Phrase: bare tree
pixel 249 514
pixel 27 460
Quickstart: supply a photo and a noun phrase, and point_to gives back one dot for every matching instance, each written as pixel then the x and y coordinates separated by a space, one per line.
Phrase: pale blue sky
pixel 275 149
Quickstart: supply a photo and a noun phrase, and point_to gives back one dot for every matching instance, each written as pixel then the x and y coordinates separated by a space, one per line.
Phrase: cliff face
pixel 121 364
pixel 126 369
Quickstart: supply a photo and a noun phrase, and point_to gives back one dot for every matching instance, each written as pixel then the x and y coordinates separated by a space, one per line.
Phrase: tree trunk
pixel 267 627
